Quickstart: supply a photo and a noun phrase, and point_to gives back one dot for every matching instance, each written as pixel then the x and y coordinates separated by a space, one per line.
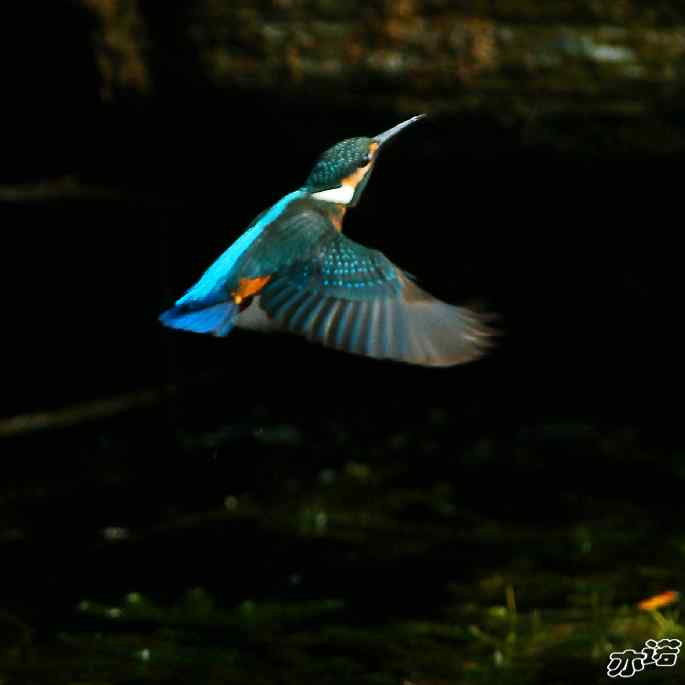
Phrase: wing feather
pixel 354 299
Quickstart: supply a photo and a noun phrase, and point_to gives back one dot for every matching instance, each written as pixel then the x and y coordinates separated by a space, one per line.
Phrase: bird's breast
pixel 337 214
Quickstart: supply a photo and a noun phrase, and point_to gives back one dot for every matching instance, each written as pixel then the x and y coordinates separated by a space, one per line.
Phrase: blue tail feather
pixel 217 319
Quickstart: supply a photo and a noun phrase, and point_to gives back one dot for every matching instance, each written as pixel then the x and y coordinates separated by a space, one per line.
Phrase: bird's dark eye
pixel 366 160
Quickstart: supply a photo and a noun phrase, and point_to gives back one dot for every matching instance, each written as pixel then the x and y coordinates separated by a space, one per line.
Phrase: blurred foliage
pixel 529 63
pixel 381 575
pixel 119 44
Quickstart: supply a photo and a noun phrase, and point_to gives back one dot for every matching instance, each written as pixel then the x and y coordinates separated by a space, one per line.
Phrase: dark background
pixel 116 198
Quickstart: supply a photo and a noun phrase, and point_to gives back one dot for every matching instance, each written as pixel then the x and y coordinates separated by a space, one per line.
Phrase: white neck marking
pixel 342 195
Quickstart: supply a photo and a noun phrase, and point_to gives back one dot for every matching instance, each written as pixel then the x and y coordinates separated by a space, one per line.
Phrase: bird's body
pixel 293 270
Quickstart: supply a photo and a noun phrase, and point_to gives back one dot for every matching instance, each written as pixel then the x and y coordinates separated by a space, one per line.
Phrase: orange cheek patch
pixel 358 175
pixel 248 287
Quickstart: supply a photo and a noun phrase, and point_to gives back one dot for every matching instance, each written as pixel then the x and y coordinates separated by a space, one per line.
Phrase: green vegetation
pixel 443 592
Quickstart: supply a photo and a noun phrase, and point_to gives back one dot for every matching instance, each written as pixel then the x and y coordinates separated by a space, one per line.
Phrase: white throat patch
pixel 342 195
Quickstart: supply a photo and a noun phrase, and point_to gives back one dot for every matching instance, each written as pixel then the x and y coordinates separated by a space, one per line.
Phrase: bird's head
pixel 342 172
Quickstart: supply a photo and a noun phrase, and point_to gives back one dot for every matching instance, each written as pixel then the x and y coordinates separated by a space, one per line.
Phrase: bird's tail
pixel 216 319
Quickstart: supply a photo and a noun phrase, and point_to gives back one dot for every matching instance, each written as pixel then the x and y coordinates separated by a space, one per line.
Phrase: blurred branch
pixel 68 188
pixel 82 412
pixel 108 407
pixel 63 188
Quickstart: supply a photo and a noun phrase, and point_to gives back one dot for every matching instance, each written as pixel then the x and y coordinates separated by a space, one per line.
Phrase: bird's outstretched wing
pixel 349 297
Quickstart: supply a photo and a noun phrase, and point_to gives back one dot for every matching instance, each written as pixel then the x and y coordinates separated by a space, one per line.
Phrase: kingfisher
pixel 293 270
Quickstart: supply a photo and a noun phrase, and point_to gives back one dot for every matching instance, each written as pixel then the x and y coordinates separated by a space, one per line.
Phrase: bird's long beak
pixel 386 135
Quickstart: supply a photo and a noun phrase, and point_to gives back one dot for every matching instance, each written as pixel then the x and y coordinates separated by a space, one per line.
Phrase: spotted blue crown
pixel 338 162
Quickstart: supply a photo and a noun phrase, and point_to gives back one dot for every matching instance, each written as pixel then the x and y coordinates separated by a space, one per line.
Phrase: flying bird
pixel 293 270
